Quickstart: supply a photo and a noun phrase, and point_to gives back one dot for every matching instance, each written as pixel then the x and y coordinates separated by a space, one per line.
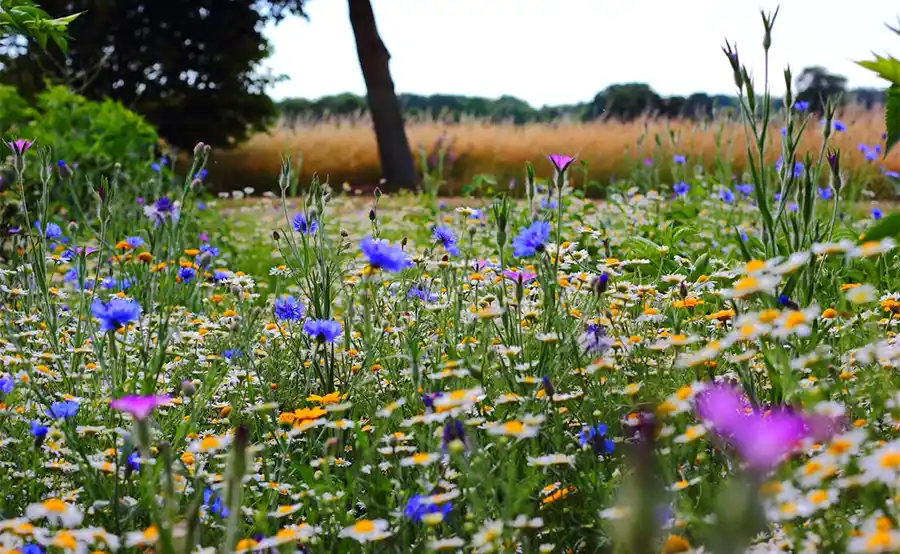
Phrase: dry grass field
pixel 345 149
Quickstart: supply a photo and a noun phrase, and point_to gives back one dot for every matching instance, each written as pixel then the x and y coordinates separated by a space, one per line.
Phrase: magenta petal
pixel 763 441
pixel 560 161
pixel 139 407
pixel 725 407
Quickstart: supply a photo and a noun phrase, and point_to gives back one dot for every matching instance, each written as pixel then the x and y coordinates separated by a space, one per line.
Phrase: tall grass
pixel 344 149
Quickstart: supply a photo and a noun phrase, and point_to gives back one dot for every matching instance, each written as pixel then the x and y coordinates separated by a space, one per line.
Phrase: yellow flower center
pixel 209 443
pixel 891 460
pixel 754 265
pixel 818 497
pixel 55 505
pixel 794 319
pixel 513 427
pixel 364 526
pixel 420 458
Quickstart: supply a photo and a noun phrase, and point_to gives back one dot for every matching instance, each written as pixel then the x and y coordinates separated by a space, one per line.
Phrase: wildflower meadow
pixel 697 364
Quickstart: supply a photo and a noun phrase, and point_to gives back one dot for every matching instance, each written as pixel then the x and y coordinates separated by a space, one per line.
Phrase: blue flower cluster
pixel 531 239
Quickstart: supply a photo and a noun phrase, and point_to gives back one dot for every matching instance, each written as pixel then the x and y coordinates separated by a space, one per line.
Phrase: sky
pixel 565 51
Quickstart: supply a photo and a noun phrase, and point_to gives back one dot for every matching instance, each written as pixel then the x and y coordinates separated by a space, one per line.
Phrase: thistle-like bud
pixel 344 233
pixel 372 215
pixel 198 148
pixel 600 283
pixel 683 290
pixel 188 389
pixel 404 242
pixel 276 236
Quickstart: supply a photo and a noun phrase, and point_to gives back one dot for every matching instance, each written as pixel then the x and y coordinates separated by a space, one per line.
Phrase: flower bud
pixel 198 148
pixel 187 388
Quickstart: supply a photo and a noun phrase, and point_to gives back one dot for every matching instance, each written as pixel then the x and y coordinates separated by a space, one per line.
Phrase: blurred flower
pixel 53 231
pixel 115 314
pixel 323 330
pixel 877 214
pixel 531 239
pixel 678 159
pixel 445 236
pixel 382 255
pixel 19 146
pixel 367 530
pixel 186 274
pixel 681 188
pixel 801 105
pixel 63 410
pixel 594 436
pixel 139 407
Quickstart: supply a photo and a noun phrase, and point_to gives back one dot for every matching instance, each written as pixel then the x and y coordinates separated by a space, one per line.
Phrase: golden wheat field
pixel 344 150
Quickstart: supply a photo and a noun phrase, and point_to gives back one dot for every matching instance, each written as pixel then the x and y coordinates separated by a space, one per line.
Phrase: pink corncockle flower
pixel 20 146
pixel 560 161
pixel 516 275
pixel 762 438
pixel 87 251
pixel 139 406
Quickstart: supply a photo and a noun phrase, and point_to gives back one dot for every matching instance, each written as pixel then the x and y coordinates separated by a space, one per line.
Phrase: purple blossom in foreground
pixel 139 407
pixel 19 146
pixel 762 438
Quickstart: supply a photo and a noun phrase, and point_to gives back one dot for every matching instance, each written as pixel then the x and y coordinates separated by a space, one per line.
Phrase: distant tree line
pixel 622 101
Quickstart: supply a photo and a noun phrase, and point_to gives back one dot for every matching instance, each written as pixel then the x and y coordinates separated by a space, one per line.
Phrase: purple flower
pixel 445 236
pixel 382 255
pixel 560 161
pixel 801 106
pixel 288 308
pixel 825 193
pixel 19 146
pixel 761 438
pixel 531 239
pixel 681 188
pixel 139 406
pixel 517 275
pixel 746 189
pixel 323 330
pixel 134 242
pixel 648 162
pixel 63 410
pixel 116 313
pixel 726 195
pixel 892 174
pixel 302 226
pixel 678 159
pixel 416 508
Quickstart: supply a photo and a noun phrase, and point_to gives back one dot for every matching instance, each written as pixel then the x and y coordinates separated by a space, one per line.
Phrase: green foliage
pixel 191 69
pixel 23 17
pixel 888 226
pixel 91 137
pixel 892 118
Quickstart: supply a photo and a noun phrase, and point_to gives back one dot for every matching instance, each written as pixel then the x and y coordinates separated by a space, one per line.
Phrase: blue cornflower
pixel 53 230
pixel 792 207
pixel 416 508
pixel 453 430
pixel 445 236
pixel 302 226
pixel 232 353
pixel 839 126
pixel 825 193
pixel 208 249
pixel 421 293
pixel 801 105
pixel 116 313
pixel 155 167
pixel 595 437
pixel 551 205
pixel 783 131
pixel 201 174
pixel 892 174
pixel 726 195
pixel 186 274
pixel 37 430
pixel 6 385
pixel 67 256
pixel 288 308
pixel 134 461
pixel 786 302
pixel 134 242
pixel 221 275
pixel 109 283
pixel 382 255
pixel 681 188
pixel 746 189
pixel 679 159
pixel 531 239
pixel 63 410
pixel 877 214
pixel 214 502
pixel 323 330
pixel 32 548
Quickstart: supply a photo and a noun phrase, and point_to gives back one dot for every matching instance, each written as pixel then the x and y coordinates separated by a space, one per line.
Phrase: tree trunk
pixel 397 165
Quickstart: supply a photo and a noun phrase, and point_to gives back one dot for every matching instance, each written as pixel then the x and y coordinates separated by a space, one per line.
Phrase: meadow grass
pixel 344 149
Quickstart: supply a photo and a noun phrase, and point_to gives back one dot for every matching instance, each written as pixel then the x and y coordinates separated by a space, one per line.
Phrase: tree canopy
pixel 191 67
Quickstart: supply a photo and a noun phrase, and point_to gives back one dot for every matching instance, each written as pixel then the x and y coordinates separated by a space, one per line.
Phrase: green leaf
pixel 886 68
pixel 887 226
pixel 699 267
pixel 892 117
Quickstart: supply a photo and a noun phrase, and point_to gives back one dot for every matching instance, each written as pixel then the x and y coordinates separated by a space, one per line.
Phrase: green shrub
pixel 90 136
